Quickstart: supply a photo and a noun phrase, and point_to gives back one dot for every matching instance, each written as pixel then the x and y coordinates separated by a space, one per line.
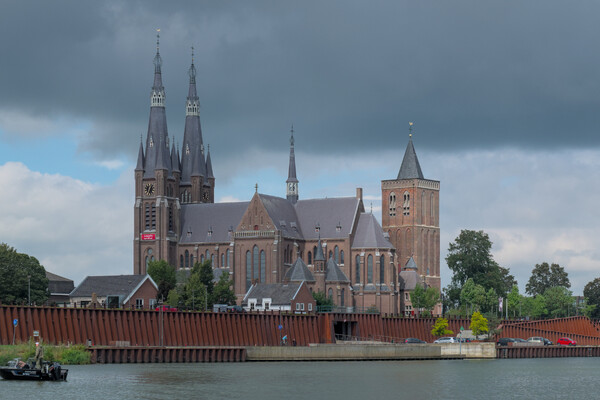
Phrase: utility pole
pixel 28 289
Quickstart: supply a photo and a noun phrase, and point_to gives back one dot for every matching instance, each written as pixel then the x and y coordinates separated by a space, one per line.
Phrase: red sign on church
pixel 148 236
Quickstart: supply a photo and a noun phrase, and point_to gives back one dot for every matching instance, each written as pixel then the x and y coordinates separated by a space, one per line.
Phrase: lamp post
pixel 29 290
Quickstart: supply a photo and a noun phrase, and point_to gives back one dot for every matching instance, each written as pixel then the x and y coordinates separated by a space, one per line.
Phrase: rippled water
pixel 566 378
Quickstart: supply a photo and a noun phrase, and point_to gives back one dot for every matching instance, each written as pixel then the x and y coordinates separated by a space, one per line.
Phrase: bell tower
pixel 410 215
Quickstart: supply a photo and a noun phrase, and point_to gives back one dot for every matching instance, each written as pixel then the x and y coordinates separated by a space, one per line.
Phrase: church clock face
pixel 149 189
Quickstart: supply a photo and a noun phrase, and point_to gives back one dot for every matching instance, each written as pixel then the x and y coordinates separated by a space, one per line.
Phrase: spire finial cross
pixel 157 39
pixel 256 188
pixel 410 124
pixel 292 137
pixel 192 54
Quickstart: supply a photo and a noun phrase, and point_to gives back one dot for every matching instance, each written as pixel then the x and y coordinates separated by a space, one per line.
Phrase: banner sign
pixel 148 236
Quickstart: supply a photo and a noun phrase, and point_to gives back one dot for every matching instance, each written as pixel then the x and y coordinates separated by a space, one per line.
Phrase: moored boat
pixel 19 370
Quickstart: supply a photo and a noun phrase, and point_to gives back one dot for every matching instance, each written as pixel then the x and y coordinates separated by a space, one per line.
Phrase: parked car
pixel 446 340
pixel 505 341
pixel 414 340
pixel 548 342
pixel 519 340
pixel 165 307
pixel 565 341
pixel 235 309
pixel 537 340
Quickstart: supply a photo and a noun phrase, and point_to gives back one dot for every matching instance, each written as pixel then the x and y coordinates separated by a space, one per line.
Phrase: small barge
pixel 19 370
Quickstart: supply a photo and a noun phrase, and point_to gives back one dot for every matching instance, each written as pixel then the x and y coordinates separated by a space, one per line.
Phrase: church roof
pixel 115 285
pixel 283 215
pixel 299 272
pixel 328 214
pixel 279 293
pixel 334 273
pixel 410 167
pixel 369 234
pixel 408 280
pixel 210 222
pixel 411 264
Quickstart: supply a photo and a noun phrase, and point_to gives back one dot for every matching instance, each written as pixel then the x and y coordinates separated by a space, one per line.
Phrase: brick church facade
pixel 332 244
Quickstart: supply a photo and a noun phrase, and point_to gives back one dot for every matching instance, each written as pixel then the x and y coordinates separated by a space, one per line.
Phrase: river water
pixel 556 378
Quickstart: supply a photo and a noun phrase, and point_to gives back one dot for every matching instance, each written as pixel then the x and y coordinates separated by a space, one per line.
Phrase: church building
pixel 331 244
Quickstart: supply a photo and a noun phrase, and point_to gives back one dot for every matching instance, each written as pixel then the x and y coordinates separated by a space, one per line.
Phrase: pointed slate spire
pixel 411 264
pixel 192 136
pixel 174 160
pixel 140 160
pixel 292 181
pixel 319 256
pixel 158 137
pixel 209 169
pixel 410 168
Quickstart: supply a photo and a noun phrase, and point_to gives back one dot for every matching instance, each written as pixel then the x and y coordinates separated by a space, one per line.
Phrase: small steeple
pixel 157 98
pixel 140 160
pixel 410 168
pixel 193 103
pixel 292 181
pixel 319 255
pixel 174 159
pixel 209 169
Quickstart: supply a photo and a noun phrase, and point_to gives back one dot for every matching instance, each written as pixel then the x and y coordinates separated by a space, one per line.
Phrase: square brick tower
pixel 410 215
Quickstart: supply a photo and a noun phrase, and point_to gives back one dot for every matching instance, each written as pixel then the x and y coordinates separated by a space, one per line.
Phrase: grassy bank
pixel 73 354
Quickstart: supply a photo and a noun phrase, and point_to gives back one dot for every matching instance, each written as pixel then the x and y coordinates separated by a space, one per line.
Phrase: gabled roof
pixel 283 215
pixel 279 293
pixel 117 285
pixel 56 278
pixel 410 167
pixel 201 218
pixel 408 279
pixel 369 234
pixel 334 273
pixel 328 214
pixel 299 272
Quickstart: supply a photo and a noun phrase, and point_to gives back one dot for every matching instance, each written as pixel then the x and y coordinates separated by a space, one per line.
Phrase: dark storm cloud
pixel 349 75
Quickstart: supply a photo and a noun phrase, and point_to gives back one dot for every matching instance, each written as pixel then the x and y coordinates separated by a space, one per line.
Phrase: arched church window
pixel 330 254
pixel 192 260
pixel 342 300
pixel 263 275
pixel 392 205
pixel 357 269
pixel 336 254
pixel 222 260
pixel 422 210
pixel 255 263
pixel 187 259
pixel 330 293
pixel 309 258
pixel 248 270
pixel 370 269
pixel 181 261
pixel 382 269
pixel 342 257
pixel 207 255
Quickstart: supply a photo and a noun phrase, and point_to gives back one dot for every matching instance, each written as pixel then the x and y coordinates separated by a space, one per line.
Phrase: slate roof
pixel 411 264
pixel 279 293
pixel 283 214
pixel 58 284
pixel 408 279
pixel 369 234
pixel 410 167
pixel 334 273
pixel 328 213
pixel 319 256
pixel 199 219
pixel 299 272
pixel 121 285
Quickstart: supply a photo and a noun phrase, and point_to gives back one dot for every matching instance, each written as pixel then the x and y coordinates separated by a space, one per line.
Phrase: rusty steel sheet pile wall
pixel 580 329
pixel 143 328
pixel 419 327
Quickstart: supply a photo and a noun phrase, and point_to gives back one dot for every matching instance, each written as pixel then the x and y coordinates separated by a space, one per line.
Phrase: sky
pixel 504 97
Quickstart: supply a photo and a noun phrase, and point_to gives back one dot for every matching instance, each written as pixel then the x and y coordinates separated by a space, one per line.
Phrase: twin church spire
pixel 192 162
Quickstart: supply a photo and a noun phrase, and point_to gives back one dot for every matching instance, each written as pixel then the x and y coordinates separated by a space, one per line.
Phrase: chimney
pixel 359 193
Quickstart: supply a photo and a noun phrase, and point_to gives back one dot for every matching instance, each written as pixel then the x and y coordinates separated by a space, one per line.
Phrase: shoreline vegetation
pixel 75 354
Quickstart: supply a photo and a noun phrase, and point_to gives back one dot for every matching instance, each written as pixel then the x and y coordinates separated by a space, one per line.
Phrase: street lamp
pixel 29 289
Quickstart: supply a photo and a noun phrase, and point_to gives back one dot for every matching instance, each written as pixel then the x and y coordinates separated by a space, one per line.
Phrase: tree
pixel 424 299
pixel 205 273
pixel 535 307
pixel 222 293
pixel 591 292
pixel 514 300
pixel 195 296
pixel 22 277
pixel 544 277
pixel 469 257
pixel 322 299
pixel 164 276
pixel 472 295
pixel 479 324
pixel 559 302
pixel 440 328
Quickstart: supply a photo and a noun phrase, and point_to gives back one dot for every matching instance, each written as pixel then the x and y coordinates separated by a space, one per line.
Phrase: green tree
pixel 424 299
pixel 174 298
pixel 469 256
pixel 195 296
pixel 322 299
pixel 591 292
pixel 535 307
pixel 515 301
pixel 491 300
pixel 164 276
pixel 559 302
pixel 479 324
pixel 205 273
pixel 544 277
pixel 472 295
pixel 21 277
pixel 440 328
pixel 222 293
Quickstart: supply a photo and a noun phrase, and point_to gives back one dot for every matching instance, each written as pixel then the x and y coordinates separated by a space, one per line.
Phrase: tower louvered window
pixel 392 205
pixel 147 216
pixel 153 216
pixel 170 219
pixel 406 204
